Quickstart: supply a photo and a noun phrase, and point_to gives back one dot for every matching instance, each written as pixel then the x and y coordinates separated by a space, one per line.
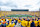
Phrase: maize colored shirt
pixel 23 23
pixel 3 19
pixel 29 23
pixel 0 19
pixel 26 23
pixel 36 23
pixel 39 22
pixel 9 25
pixel 0 23
pixel 19 21
pixel 13 25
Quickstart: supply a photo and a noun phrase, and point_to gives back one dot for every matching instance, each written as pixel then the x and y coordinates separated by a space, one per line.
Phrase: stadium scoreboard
pixel 19 10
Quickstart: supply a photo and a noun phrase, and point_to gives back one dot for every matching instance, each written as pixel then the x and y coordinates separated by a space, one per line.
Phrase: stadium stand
pixel 19 19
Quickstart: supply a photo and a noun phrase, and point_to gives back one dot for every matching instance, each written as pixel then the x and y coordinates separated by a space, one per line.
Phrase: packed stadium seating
pixel 23 19
pixel 2 13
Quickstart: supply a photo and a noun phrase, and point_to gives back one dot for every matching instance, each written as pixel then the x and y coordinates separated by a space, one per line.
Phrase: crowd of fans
pixel 11 22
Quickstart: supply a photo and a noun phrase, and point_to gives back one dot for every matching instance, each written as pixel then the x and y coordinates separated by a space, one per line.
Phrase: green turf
pixel 20 16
